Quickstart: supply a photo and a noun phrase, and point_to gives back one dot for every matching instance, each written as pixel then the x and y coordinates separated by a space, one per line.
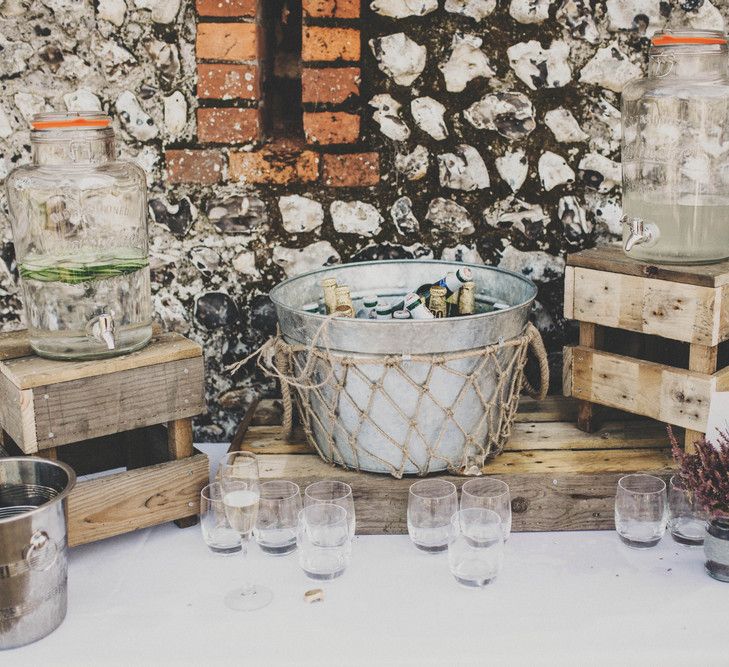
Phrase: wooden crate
pixel 610 294
pixel 560 477
pixel 133 412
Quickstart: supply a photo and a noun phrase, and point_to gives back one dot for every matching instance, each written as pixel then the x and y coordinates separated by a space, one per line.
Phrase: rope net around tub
pixel 409 414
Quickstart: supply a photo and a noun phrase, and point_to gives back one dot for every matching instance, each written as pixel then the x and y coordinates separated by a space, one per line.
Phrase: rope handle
pixel 536 347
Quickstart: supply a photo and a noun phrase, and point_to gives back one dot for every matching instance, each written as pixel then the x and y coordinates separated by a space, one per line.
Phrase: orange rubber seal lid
pixel 70 122
pixel 669 40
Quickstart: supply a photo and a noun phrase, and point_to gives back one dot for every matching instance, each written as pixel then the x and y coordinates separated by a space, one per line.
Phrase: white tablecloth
pixel 156 597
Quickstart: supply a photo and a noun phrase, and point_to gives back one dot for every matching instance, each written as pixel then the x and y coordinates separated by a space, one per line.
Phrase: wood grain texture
pixel 588 415
pixel 33 371
pixel 99 405
pixel 126 501
pixel 701 359
pixel 672 395
pixel 678 311
pixel 613 259
pixel 14 344
pixel 569 292
pixel 179 438
pixel 17 416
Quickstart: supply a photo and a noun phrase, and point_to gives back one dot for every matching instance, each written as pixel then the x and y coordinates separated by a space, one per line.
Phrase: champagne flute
pixel 241 497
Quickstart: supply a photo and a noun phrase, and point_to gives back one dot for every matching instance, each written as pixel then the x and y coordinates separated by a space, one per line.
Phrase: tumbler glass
pixel 333 493
pixel 324 541
pixel 641 510
pixel 687 521
pixel 216 529
pixel 278 516
pixel 475 546
pixel 431 504
pixel 489 494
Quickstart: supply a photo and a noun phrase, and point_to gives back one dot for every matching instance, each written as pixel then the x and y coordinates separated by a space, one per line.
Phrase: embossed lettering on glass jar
pixel 675 153
pixel 79 220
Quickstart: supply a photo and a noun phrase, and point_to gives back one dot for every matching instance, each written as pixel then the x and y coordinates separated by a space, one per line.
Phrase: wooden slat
pixel 103 404
pixel 552 491
pixel 179 438
pixel 14 344
pixel 703 360
pixel 613 259
pixel 125 501
pixel 32 371
pixel 671 395
pixel 17 416
pixel 569 292
pixel 677 311
pixel 591 336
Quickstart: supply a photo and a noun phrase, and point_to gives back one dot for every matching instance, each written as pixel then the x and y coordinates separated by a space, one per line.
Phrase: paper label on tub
pixel 718 415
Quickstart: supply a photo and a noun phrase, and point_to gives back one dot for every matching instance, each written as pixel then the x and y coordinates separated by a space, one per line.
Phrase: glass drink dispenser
pixel 675 152
pixel 79 220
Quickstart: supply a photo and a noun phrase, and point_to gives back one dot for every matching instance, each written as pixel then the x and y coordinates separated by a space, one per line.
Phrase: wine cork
pixel 314 595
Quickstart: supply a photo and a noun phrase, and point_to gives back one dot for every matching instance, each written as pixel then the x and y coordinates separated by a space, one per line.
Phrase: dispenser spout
pixel 102 330
pixel 638 233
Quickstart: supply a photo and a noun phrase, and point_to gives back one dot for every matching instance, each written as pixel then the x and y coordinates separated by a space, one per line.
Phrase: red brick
pixel 331 127
pixel 227 41
pixel 329 84
pixel 353 170
pixel 226 7
pixel 234 126
pixel 194 166
pixel 330 44
pixel 222 82
pixel 274 165
pixel 341 9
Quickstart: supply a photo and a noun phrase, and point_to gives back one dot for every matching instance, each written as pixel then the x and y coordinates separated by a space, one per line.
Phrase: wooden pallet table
pixel 683 310
pixel 132 412
pixel 560 477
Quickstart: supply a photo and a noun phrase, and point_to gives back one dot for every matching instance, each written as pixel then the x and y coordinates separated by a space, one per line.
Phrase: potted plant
pixel 705 474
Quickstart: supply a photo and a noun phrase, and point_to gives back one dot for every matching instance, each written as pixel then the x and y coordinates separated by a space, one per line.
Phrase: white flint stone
pixel 134 119
pixel 564 126
pixel 466 62
pixel 29 104
pixel 112 11
pixel 300 214
pixel 608 214
pixel 399 57
pixel 175 113
pixel 428 116
pixel 509 113
pixel 519 215
pixel 163 11
pixel 14 55
pixel 6 129
pixel 610 68
pixel 541 68
pixel 245 264
pixel 530 11
pixel 355 217
pixel 475 9
pixel 82 100
pixel 387 116
pixel 578 16
pixel 294 261
pixel 464 169
pixel 448 217
pixel 644 15
pixel 535 264
pixel 402 215
pixel 414 165
pixel 707 17
pixel 513 167
pixel 400 9
pixel 462 253
pixel 573 217
pixel 607 173
pixel 554 171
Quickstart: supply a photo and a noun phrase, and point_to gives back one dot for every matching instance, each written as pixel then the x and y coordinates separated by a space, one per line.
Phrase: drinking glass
pixel 475 546
pixel 216 529
pixel 489 494
pixel 687 520
pixel 278 516
pixel 641 510
pixel 431 504
pixel 241 497
pixel 324 540
pixel 333 493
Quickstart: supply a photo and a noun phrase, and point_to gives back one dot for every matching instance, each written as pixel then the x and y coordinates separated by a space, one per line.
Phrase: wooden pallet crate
pixel 560 477
pixel 131 413
pixel 651 337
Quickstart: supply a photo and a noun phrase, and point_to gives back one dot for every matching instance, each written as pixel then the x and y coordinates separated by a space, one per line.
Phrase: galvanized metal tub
pixel 363 446
pixel 33 548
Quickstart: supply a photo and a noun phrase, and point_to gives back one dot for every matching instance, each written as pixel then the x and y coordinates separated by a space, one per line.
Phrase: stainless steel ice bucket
pixel 361 339
pixel 33 548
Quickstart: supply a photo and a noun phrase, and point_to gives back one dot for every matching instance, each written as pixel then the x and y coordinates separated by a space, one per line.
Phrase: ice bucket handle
pixel 537 349
pixel 42 551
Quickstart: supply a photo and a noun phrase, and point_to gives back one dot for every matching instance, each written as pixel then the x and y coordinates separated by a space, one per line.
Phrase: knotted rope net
pixel 405 414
